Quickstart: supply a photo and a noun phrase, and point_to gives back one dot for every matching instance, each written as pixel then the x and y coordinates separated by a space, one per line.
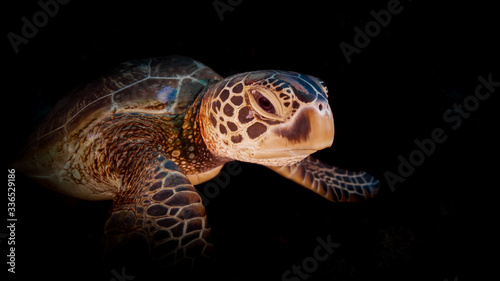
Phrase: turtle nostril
pixel 320 107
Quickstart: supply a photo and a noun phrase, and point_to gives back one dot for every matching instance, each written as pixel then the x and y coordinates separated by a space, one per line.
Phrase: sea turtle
pixel 143 135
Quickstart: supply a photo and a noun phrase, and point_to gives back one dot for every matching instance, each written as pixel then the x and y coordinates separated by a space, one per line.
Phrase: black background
pixel 436 225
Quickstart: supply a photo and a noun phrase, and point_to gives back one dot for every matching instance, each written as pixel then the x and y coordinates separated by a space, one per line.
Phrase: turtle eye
pixel 263 102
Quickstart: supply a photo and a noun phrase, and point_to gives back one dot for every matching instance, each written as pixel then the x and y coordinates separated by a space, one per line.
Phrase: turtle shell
pixel 167 85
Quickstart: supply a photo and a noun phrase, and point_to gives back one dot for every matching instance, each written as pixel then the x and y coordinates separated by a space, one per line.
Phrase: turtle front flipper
pixel 332 183
pixel 158 221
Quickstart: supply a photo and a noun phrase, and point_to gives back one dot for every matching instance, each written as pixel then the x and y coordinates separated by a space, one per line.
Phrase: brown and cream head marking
pixel 267 117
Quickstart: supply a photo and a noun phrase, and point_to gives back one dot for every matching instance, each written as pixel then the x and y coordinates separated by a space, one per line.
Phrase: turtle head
pixel 271 118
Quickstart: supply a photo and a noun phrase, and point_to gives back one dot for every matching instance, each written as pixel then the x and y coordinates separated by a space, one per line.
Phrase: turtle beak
pixel 322 127
pixel 311 129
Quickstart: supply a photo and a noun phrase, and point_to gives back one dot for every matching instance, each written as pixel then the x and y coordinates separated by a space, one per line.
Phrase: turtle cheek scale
pixel 310 130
